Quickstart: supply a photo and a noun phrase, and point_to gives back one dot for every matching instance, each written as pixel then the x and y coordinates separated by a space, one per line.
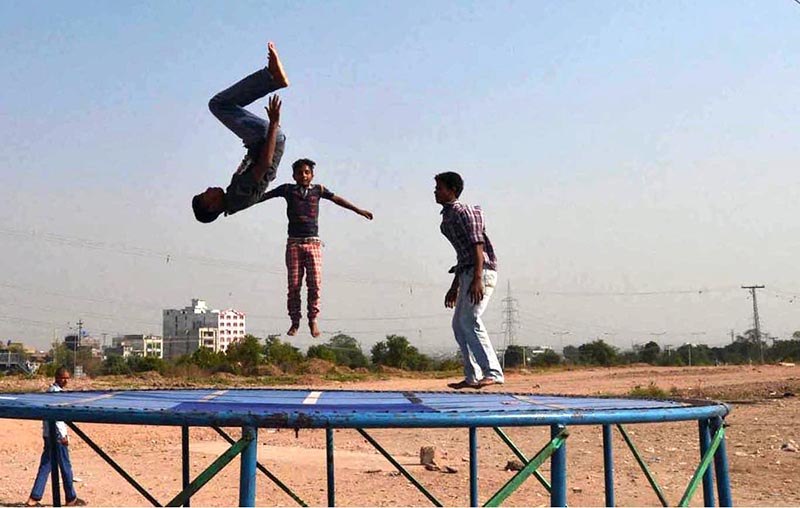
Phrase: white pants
pixel 480 359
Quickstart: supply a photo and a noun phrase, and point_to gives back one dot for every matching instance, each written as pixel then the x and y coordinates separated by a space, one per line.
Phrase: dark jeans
pixel 228 107
pixel 44 472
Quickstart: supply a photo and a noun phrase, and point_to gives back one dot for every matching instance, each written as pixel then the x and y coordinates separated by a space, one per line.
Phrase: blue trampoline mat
pixel 339 408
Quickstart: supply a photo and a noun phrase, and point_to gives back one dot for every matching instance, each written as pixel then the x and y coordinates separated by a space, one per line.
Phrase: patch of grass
pixel 344 377
pixel 651 391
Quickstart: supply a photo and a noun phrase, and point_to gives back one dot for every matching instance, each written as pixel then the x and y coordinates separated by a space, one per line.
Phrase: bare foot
pixel 312 325
pixel 275 67
pixel 293 329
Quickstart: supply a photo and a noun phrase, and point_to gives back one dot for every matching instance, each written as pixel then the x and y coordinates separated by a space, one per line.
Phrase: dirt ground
pixel 764 419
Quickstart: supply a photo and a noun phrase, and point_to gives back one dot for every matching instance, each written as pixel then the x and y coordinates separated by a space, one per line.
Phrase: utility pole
pixel 756 322
pixel 77 345
pixel 510 322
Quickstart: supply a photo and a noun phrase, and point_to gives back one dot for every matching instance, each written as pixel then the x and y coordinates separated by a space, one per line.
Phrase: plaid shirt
pixel 463 226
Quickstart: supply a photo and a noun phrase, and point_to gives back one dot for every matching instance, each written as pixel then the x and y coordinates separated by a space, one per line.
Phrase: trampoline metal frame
pixel 711 429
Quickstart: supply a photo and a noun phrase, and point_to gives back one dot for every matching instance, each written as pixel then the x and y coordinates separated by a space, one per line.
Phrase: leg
pixel 313 265
pixel 477 337
pixel 41 476
pixel 228 105
pixel 295 279
pixel 66 473
pixel 462 326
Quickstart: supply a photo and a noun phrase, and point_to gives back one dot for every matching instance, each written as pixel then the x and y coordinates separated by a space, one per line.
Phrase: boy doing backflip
pixel 263 140
pixel 303 247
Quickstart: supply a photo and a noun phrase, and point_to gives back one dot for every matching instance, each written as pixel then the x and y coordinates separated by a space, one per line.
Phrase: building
pixel 185 330
pixel 136 345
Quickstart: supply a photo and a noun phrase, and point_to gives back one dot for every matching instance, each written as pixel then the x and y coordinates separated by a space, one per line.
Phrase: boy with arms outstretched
pixel 303 247
pixel 263 140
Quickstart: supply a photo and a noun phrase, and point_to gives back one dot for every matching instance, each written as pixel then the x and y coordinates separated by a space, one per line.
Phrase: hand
pixel 274 109
pixel 476 291
pixel 64 441
pixel 450 297
pixel 365 213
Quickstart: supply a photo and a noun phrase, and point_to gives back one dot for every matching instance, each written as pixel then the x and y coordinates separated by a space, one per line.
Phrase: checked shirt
pixel 463 226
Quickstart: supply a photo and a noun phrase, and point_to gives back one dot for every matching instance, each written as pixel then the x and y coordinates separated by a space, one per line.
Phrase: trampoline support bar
pixel 643 465
pixel 530 468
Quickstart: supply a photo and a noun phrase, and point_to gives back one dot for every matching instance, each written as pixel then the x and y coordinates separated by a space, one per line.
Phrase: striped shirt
pixel 302 207
pixel 463 226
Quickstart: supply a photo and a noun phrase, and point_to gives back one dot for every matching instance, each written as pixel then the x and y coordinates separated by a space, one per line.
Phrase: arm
pixel 277 192
pixel 452 294
pixel 268 150
pixel 476 288
pixel 350 206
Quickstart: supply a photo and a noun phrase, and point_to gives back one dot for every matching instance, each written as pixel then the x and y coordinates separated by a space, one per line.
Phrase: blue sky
pixel 618 148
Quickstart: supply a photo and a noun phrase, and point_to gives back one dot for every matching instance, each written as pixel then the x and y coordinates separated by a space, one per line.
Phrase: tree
pixel 547 359
pixel 323 352
pixel 514 356
pixel 281 353
pixel 115 365
pixel 347 351
pixel 245 354
pixel 571 354
pixel 598 353
pixel 207 358
pixel 650 353
pixel 396 352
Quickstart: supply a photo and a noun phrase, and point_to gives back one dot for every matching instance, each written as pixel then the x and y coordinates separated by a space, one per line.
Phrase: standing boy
pixel 62 449
pixel 263 140
pixel 474 280
pixel 303 247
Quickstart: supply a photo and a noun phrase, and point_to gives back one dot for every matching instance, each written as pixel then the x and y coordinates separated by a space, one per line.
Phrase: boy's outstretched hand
pixel 365 213
pixel 274 109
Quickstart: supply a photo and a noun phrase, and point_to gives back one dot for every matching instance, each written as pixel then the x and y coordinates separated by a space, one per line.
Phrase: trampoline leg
pixel 473 466
pixel 247 474
pixel 721 467
pixel 558 471
pixel 608 464
pixel 329 464
pixel 55 462
pixel 708 476
pixel 185 461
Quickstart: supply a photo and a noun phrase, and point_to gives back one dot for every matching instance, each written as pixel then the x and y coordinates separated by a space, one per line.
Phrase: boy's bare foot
pixel 293 329
pixel 275 66
pixel 312 325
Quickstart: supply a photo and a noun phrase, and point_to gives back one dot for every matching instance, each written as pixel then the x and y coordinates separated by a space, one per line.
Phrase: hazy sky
pixel 637 163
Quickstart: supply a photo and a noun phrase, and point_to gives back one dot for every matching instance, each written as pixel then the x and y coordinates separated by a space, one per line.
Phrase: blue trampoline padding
pixel 193 407
pixel 345 408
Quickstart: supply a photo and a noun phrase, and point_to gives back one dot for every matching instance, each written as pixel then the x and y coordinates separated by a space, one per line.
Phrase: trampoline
pixel 252 409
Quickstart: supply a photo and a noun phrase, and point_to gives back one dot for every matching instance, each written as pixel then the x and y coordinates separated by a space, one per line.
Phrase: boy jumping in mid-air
pixel 263 140
pixel 303 247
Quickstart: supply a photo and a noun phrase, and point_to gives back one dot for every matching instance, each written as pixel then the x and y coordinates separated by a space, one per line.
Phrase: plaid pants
pixel 302 257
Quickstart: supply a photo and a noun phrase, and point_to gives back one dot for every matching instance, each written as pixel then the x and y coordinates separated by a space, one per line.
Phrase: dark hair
pixel 201 213
pixel 60 372
pixel 303 162
pixel 452 181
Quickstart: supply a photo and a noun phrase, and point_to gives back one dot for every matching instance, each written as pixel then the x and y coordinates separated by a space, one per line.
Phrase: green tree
pixel 396 352
pixel 115 365
pixel 282 354
pixel 323 352
pixel 245 354
pixel 146 364
pixel 650 353
pixel 208 359
pixel 598 353
pixel 347 351
pixel 514 356
pixel 571 354
pixel 547 359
